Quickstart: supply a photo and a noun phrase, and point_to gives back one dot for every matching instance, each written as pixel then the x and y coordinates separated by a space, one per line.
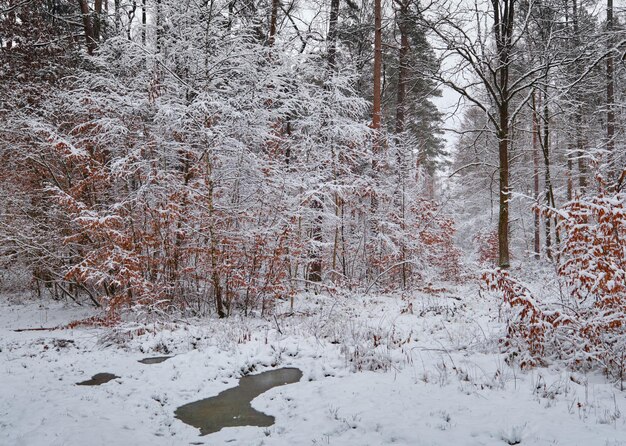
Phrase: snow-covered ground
pixel 413 370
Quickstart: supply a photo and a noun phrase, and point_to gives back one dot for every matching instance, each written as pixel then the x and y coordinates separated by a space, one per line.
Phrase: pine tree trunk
pixel 87 27
pixel 376 103
pixel 97 20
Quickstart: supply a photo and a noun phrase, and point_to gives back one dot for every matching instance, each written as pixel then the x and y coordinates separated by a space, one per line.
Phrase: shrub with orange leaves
pixel 409 246
pixel 529 324
pixel 592 263
pixel 587 327
pixel 487 242
pixel 437 239
pixel 593 252
pixel 253 269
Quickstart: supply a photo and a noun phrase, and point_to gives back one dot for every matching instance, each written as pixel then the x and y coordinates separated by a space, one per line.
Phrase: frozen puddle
pixel 97 379
pixel 155 359
pixel 232 406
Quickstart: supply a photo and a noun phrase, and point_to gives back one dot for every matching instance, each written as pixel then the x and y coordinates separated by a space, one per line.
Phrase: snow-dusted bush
pixel 587 326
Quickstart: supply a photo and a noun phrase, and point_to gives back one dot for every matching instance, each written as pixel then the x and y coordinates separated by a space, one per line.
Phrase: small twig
pixel 385 272
pixel 277 325
pixel 18 330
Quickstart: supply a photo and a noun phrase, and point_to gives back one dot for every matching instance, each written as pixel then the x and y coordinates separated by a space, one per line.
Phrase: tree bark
pixel 403 53
pixel 610 93
pixel 97 20
pixel 503 215
pixel 582 166
pixel 332 35
pixel 580 153
pixel 504 13
pixel 213 255
pixel 315 267
pixel 403 73
pixel 570 172
pixel 378 57
pixel 547 177
pixel 273 20
pixel 537 239
pixel 376 105
pixel 88 27
pixel 118 16
pixel 332 68
pixel 144 22
pixel 159 25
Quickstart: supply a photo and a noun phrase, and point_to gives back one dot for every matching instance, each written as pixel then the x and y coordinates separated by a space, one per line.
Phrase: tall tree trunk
pixel 214 254
pixel 332 68
pixel 545 141
pixel 582 164
pixel 570 145
pixel 570 172
pixel 580 153
pixel 378 57
pixel 88 27
pixel 159 25
pixel 503 214
pixel 504 13
pixel 144 22
pixel 610 93
pixel 546 118
pixel 332 35
pixel 97 20
pixel 403 53
pixel 537 239
pixel 273 20
pixel 376 115
pixel 550 200
pixel 315 266
pixel 118 16
pixel 403 72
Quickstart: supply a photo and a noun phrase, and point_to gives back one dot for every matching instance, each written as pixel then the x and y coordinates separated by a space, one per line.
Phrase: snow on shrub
pixel 487 243
pixel 529 324
pixel 587 326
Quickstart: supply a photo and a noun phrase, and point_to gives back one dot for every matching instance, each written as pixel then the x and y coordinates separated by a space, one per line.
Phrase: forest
pixel 358 188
